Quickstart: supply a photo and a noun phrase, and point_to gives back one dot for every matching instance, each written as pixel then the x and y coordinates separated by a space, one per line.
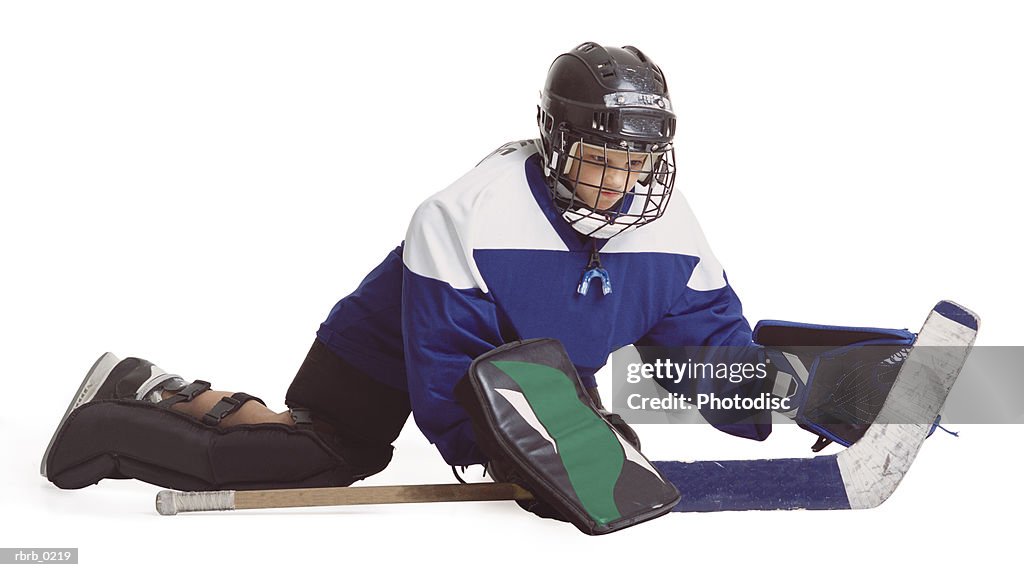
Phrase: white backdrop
pixel 197 183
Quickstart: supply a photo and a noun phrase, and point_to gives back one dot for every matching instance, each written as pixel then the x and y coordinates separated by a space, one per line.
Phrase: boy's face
pixel 601 177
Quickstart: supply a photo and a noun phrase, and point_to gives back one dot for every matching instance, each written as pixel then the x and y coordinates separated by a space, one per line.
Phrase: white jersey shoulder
pixel 490 207
pixel 675 232
pixel 493 207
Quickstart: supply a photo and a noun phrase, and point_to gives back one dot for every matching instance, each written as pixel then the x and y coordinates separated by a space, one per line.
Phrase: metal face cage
pixel 605 188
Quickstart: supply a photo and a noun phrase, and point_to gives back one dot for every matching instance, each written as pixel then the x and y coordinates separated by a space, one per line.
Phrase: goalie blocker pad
pixel 123 439
pixel 535 421
pixel 847 373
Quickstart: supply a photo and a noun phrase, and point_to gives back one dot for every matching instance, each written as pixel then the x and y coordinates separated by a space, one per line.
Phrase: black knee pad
pixel 117 439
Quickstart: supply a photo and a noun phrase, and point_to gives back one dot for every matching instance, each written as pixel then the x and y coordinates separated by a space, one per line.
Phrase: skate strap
pixel 228 405
pixel 191 391
pixel 304 419
pixel 301 417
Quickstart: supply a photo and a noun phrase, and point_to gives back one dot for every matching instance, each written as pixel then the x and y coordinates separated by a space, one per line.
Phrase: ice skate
pixel 113 378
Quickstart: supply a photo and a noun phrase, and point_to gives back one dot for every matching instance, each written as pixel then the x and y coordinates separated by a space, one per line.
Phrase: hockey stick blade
pixel 866 473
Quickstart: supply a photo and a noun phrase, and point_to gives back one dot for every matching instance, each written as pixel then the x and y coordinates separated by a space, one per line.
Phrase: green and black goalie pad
pixel 535 421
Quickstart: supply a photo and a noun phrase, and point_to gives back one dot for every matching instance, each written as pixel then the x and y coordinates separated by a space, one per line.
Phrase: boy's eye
pixel 597 158
pixel 636 163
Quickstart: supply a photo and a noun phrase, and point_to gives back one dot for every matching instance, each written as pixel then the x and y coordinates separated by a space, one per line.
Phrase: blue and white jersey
pixel 489 260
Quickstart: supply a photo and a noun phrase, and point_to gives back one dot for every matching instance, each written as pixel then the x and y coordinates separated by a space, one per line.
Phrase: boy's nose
pixel 614 179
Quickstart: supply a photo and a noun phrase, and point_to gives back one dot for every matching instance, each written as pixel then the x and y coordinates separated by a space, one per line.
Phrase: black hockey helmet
pixel 613 99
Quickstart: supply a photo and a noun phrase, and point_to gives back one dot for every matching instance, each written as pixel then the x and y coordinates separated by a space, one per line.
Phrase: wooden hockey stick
pixel 173 502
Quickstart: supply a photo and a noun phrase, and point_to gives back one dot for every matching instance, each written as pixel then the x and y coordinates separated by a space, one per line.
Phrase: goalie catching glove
pixel 835 377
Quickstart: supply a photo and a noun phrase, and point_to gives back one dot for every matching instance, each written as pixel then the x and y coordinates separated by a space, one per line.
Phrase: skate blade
pixel 93 379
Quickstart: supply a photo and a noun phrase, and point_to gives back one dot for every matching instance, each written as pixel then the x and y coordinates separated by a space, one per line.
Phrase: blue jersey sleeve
pixel 448 319
pixel 706 318
pixel 713 322
pixel 445 329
